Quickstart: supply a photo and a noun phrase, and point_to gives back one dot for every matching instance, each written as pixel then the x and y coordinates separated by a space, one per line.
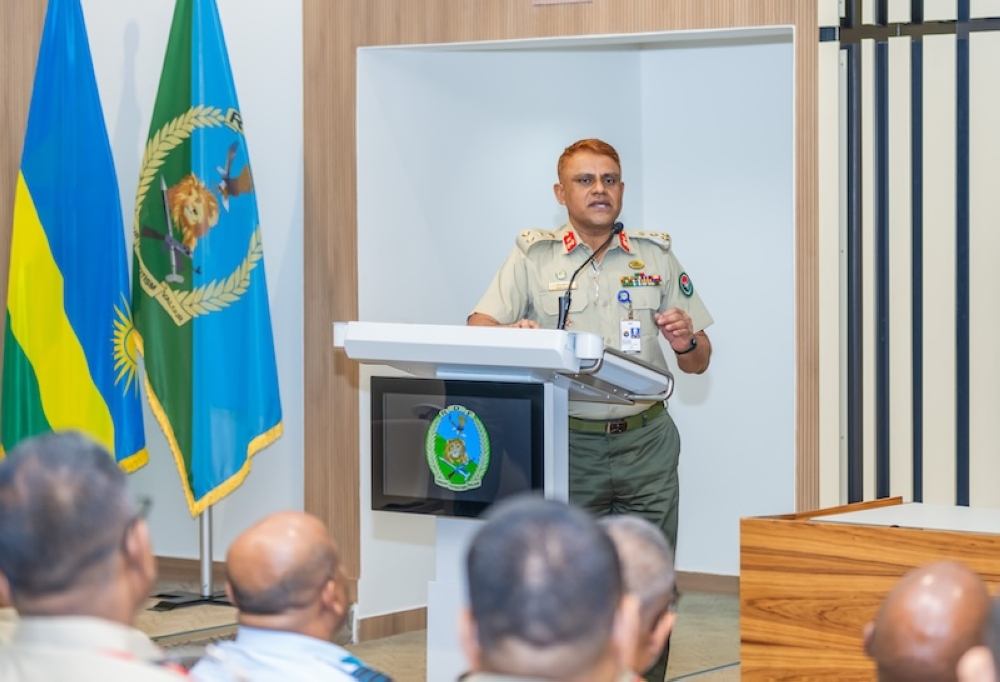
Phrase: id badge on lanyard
pixel 630 336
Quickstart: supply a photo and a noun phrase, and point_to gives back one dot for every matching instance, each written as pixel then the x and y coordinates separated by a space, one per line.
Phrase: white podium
pixel 570 365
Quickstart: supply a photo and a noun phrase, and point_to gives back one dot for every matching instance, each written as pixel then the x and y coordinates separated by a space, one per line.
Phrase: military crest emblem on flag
pixel 192 206
pixel 200 305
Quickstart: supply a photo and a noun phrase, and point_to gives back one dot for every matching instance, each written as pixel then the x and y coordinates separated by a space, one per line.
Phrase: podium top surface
pixel 924 516
pixel 575 361
pixel 464 346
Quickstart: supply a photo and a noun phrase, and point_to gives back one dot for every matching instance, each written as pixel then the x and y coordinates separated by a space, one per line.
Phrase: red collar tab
pixel 569 240
pixel 623 240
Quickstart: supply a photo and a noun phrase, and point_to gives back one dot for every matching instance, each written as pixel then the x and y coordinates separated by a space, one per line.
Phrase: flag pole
pixel 206 553
pixel 168 601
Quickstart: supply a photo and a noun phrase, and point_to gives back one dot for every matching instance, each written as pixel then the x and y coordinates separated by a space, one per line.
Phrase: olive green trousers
pixel 634 472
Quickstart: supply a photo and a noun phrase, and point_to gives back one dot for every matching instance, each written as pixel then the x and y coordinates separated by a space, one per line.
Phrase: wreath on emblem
pixel 217 294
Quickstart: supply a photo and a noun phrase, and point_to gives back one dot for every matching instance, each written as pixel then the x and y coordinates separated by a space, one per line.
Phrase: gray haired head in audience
pixel 545 592
pixel 647 563
pixel 933 616
pixel 66 518
pixel 648 568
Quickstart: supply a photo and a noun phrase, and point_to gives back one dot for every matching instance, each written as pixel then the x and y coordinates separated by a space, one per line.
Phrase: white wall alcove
pixel 457 151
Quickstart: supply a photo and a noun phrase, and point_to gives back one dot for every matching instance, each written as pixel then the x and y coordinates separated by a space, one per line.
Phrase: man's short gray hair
pixel 647 563
pixel 64 506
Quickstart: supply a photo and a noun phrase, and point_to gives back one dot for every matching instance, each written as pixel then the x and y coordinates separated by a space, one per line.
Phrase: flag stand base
pixel 177 600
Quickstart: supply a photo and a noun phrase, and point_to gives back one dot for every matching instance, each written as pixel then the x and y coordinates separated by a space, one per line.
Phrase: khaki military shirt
pixel 82 649
pixel 641 264
pixel 8 623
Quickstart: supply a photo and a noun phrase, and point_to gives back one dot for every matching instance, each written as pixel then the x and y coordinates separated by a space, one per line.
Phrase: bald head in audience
pixel 933 616
pixel 284 574
pixel 648 569
pixel 546 596
pixel 285 577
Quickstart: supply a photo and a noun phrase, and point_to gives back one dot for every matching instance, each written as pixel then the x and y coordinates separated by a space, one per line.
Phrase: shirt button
pixel 607 340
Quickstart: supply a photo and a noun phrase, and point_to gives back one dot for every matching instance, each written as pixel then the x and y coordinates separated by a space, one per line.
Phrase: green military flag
pixel 201 305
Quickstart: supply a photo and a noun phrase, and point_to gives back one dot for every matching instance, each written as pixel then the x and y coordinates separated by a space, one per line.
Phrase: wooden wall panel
pixel 333 30
pixel 330 260
pixel 391 624
pixel 806 257
pixel 20 34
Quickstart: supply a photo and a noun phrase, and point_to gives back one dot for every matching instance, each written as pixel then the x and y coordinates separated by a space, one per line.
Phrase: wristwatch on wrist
pixel 694 344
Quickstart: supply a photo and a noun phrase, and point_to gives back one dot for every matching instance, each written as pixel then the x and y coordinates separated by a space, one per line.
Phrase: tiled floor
pixel 704 647
pixel 184 625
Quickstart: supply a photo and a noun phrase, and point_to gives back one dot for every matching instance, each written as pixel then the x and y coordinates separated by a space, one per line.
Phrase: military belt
pixel 616 426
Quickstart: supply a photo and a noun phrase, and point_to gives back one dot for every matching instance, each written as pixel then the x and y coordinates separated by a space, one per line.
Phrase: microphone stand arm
pixel 566 298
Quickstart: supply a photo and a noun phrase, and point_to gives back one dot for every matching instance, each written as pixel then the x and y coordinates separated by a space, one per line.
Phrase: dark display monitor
pixel 454 447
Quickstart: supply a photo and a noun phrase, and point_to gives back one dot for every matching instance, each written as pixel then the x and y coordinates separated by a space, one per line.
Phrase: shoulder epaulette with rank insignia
pixel 661 239
pixel 529 238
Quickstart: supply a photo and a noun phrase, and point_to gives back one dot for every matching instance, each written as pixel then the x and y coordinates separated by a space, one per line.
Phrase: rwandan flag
pixel 69 346
pixel 201 306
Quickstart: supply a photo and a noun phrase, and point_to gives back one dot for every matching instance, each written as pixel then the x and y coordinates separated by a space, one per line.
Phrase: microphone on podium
pixel 564 300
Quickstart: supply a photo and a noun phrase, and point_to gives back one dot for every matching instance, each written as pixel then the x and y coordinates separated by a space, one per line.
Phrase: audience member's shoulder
pixel 494 677
pixel 365 674
pixel 267 658
pixel 54 663
pixel 8 623
pixel 135 671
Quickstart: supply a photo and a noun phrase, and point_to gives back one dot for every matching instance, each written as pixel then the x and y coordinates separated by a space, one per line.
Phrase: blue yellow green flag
pixel 69 345
pixel 201 306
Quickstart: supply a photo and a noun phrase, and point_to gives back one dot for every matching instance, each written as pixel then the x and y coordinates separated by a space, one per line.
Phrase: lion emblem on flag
pixel 193 208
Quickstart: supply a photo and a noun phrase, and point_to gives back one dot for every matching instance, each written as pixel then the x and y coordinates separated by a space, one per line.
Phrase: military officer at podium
pixel 630 288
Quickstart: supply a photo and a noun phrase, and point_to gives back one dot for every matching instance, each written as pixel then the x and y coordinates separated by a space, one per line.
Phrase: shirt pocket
pixel 645 304
pixel 549 302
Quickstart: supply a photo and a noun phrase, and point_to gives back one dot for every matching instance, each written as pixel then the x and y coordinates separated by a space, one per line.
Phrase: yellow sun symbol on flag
pixel 124 345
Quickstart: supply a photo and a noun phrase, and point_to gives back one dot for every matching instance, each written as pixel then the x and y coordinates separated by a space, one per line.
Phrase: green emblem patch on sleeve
pixel 686 285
